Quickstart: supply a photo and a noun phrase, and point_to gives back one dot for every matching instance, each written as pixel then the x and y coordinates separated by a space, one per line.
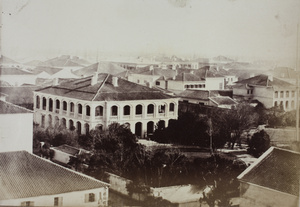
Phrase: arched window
pixel 275 103
pixel 286 104
pixel 126 110
pixel 78 127
pixel 87 128
pixel 57 104
pixel 71 125
pixel 276 94
pixel 71 107
pixel 293 105
pixel 65 106
pixel 79 109
pixel 138 109
pixel 88 110
pixel 50 104
pixel 37 102
pixel 99 111
pixel 287 94
pixel 161 108
pixel 150 109
pixel 114 111
pixel 172 106
pixel 44 103
pixel 63 122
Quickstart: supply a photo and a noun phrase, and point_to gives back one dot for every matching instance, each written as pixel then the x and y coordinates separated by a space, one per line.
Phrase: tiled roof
pixel 19 95
pixel 9 108
pixel 13 71
pixel 187 77
pixel 276 169
pixel 82 89
pixel 223 100
pixel 195 94
pixel 63 61
pixel 47 69
pixel 284 72
pixel 262 80
pixel 101 67
pixel 25 175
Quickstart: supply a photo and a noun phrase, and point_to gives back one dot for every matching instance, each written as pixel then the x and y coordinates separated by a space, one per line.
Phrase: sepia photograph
pixel 150 103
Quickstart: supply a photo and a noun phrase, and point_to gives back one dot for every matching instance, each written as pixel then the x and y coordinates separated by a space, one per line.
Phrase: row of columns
pixel 106 113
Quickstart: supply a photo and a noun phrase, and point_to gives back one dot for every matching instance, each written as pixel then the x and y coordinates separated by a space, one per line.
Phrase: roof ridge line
pixel 100 87
pixel 20 107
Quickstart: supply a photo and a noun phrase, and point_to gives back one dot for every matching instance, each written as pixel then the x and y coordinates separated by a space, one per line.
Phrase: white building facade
pixel 140 110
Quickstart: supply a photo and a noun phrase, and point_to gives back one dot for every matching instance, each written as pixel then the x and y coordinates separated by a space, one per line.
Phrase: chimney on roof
pixel 217 68
pixel 151 67
pixel 150 84
pixel 173 67
pixel 55 82
pixel 3 97
pixel 115 81
pixel 191 72
pixel 94 79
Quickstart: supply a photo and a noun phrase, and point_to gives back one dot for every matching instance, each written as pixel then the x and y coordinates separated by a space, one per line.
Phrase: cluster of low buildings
pixel 80 97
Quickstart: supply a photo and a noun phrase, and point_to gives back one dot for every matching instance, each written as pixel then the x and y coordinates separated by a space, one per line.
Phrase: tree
pixel 231 123
pixel 259 143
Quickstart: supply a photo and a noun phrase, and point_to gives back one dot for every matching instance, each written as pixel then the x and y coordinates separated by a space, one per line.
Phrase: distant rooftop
pixel 13 71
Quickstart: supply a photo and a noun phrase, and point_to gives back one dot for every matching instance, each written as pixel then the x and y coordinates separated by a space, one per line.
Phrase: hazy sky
pixel 249 28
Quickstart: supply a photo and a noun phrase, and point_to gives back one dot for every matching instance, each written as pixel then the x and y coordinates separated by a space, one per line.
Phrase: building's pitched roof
pixel 100 67
pixel 13 71
pixel 277 169
pixel 19 95
pixel 47 69
pixel 103 90
pixel 24 175
pixel 284 72
pixel 223 100
pixel 263 80
pixel 195 94
pixel 62 61
pixel 9 108
pixel 187 77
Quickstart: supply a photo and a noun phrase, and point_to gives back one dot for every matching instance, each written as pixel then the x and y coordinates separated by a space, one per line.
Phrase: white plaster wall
pixel 257 196
pixel 16 132
pixel 214 83
pixel 76 198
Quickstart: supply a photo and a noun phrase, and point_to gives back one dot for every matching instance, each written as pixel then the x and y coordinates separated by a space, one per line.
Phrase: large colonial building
pixel 99 100
pixel 268 90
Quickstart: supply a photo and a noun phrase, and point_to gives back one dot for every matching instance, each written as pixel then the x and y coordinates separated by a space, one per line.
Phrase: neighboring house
pixel 284 73
pixel 100 67
pixel 45 72
pixel 272 180
pixel 267 90
pixel 21 96
pixel 16 130
pixel 15 76
pixel 221 99
pixel 29 180
pixel 64 61
pixel 99 100
pixel 63 153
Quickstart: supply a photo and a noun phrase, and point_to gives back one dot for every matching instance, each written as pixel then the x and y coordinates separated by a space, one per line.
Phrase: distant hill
pixel 222 59
pixel 6 60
